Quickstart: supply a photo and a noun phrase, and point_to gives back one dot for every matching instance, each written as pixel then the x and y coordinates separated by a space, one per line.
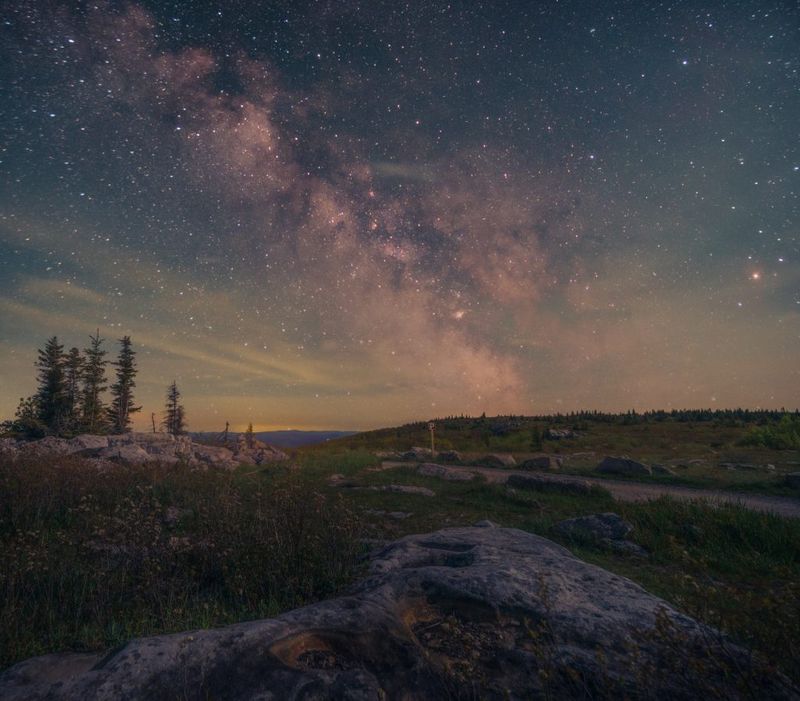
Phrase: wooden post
pixel 431 427
pixel 153 420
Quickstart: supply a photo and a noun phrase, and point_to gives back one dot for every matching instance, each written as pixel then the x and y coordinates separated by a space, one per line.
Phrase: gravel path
pixel 641 491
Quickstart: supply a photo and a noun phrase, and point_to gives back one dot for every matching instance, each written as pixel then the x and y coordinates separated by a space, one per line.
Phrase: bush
pixel 91 558
pixel 785 435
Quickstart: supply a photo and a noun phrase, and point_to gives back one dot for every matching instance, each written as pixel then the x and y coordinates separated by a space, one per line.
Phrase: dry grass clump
pixel 89 558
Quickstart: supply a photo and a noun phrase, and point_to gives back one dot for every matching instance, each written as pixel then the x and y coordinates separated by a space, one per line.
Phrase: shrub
pixel 785 435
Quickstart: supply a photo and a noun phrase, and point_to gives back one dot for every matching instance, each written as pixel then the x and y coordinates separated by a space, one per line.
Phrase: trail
pixel 788 507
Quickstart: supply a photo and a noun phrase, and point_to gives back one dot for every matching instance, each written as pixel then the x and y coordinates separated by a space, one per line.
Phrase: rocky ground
pixel 481 612
pixel 138 448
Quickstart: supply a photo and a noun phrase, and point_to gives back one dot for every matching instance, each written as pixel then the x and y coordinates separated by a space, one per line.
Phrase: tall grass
pixel 91 558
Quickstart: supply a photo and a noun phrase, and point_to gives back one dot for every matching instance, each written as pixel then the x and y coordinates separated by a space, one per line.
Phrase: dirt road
pixel 641 491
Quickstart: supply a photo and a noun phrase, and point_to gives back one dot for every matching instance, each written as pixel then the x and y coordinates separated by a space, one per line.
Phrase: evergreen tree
pixel 26 419
pixel 73 374
pixel 248 435
pixel 51 396
pixel 174 416
pixel 119 413
pixel 94 384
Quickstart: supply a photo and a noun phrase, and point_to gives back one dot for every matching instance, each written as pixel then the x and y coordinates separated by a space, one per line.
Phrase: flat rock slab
pixel 542 484
pixel 451 474
pixel 489 613
pixel 622 466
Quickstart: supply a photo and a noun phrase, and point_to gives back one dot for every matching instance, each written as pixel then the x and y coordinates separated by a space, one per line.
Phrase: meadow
pixel 91 558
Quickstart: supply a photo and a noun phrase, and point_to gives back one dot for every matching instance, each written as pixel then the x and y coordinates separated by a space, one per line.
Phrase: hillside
pixel 281 439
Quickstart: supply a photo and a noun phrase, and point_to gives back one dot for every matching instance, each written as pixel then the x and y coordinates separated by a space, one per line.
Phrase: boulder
pixel 543 484
pixel 49 445
pixel 792 479
pixel 622 466
pixel 131 454
pixel 430 469
pixel 541 462
pixel 497 460
pixel 9 448
pixel 495 612
pixel 213 456
pixel 141 438
pixel 452 456
pixel 607 530
pixel 88 442
pixel 417 454
pixel 663 470
pixel 559 434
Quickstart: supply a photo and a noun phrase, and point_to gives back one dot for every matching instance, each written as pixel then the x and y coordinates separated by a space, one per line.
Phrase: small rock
pixel 340 481
pixel 624 547
pixel 408 489
pixel 622 466
pixel 597 526
pixel 173 514
pixel 738 466
pixel 399 515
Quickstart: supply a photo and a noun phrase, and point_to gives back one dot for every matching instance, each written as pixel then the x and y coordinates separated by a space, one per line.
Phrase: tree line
pixel 70 395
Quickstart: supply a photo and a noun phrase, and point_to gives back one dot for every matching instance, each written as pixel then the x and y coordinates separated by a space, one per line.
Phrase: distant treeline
pixel 69 399
pixel 733 417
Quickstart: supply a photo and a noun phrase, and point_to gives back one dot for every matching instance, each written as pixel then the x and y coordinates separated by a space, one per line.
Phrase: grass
pixel 695 451
pixel 90 559
pixel 146 550
pixel 733 568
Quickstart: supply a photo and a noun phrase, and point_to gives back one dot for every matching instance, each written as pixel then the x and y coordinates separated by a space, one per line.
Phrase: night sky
pixel 354 214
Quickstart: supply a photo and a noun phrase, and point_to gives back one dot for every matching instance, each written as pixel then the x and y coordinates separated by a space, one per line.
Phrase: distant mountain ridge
pixel 281 439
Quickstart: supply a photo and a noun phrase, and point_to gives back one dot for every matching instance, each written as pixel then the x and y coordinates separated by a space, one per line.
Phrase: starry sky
pixel 351 214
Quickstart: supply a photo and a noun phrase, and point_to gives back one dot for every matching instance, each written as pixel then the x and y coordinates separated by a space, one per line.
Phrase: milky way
pixel 344 214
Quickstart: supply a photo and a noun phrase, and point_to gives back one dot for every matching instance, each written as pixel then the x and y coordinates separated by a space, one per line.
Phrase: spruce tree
pixel 94 384
pixel 51 397
pixel 119 413
pixel 26 419
pixel 73 374
pixel 174 416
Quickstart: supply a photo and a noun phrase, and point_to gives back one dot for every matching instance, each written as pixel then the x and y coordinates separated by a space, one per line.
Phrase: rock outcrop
pixel 488 613
pixel 137 448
